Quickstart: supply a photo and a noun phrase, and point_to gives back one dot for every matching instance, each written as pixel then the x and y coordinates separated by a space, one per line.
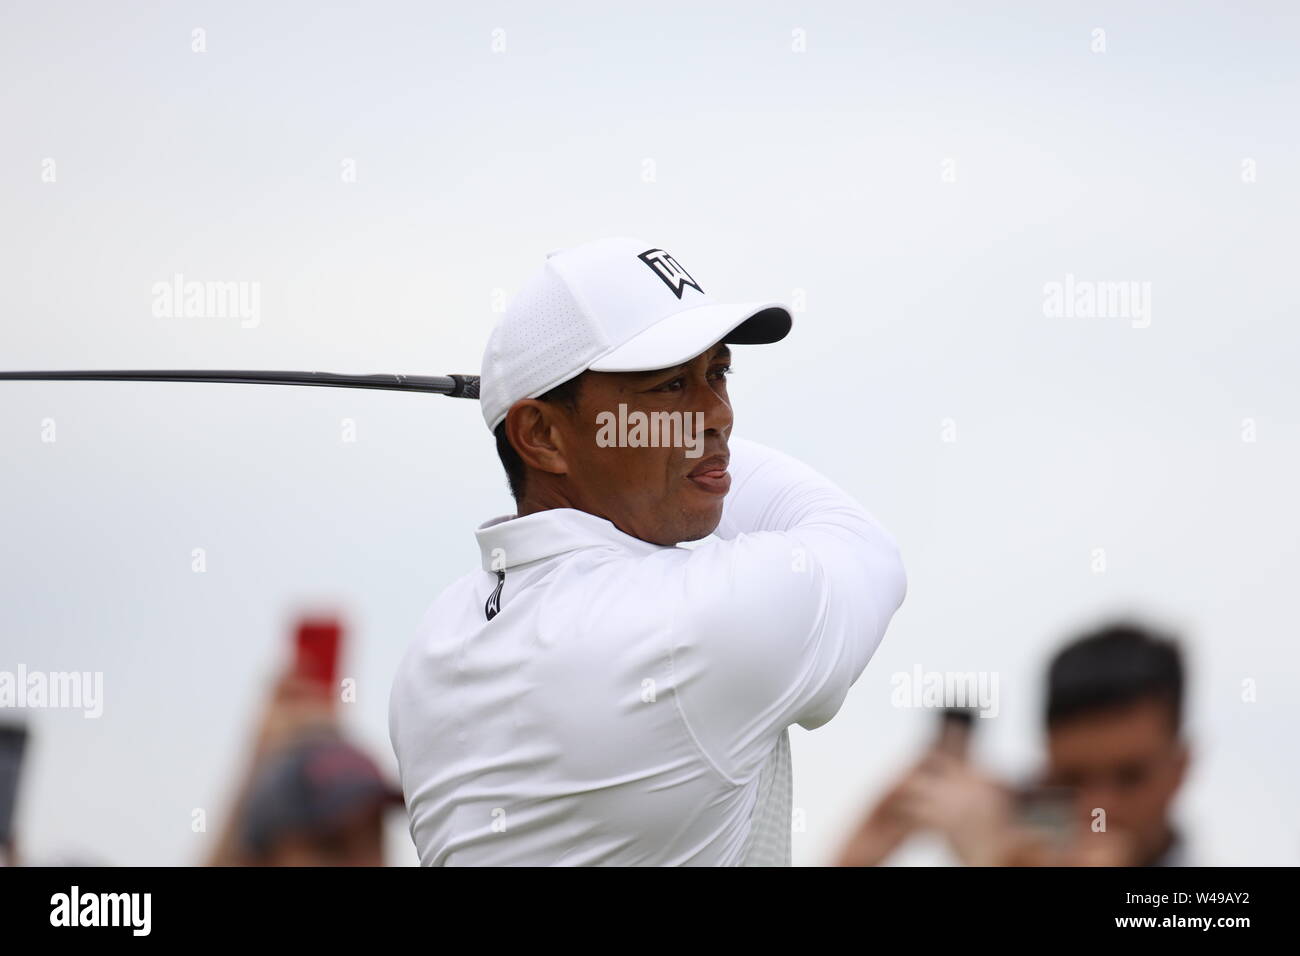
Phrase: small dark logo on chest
pixel 493 606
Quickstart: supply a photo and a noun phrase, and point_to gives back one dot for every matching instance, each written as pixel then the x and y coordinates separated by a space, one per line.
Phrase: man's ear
pixel 533 429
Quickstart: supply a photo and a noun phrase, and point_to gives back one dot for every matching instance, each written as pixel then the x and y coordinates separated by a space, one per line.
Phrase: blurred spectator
pixel 309 798
pixel 1115 737
pixel 320 802
pixel 13 743
pixel 1116 758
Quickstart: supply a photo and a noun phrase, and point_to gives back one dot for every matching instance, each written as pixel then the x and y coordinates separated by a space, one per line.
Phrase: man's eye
pixel 677 384
pixel 1130 775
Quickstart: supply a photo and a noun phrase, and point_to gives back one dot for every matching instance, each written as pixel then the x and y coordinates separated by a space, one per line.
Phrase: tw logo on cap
pixel 668 269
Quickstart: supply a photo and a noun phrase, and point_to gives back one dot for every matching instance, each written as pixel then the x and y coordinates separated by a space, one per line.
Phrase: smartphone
pixel 13 741
pixel 1048 810
pixel 955 725
pixel 317 642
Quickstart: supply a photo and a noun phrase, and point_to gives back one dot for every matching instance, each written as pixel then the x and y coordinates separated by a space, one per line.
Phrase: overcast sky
pixel 913 178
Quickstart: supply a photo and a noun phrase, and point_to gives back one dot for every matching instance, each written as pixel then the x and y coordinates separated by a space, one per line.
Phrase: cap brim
pixel 683 335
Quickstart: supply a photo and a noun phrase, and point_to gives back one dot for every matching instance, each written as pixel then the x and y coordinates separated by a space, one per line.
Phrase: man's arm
pixel 780 617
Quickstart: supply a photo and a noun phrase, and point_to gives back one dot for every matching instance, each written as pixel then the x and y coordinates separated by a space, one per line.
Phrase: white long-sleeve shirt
pixel 629 704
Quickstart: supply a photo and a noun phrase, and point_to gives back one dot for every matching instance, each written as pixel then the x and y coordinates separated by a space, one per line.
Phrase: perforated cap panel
pixel 544 338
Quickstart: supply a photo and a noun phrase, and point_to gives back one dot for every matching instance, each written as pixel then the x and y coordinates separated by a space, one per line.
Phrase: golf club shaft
pixel 454 386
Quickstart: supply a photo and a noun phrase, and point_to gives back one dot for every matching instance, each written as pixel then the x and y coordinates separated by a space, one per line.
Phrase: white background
pixel 775 174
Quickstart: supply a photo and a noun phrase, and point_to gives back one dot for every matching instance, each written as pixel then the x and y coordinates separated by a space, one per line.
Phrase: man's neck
pixel 543 496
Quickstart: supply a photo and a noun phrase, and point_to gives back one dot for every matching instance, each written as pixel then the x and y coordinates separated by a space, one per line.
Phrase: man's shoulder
pixel 762 577
pixel 453 592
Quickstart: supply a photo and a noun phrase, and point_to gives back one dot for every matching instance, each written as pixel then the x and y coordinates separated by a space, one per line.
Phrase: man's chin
pixel 701 526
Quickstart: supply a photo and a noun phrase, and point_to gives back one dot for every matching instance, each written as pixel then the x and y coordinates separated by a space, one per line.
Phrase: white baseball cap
pixel 612 305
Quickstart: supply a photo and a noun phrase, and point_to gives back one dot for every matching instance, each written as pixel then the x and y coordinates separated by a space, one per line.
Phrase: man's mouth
pixel 711 475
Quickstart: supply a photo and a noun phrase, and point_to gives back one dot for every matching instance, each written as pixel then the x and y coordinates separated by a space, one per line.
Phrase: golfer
pixel 593 694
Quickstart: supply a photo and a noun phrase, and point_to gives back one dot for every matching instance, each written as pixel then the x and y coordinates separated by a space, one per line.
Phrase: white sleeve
pixel 779 618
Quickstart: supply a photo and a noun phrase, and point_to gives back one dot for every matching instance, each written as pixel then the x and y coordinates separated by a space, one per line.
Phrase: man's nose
pixel 717 409
pixel 1096 796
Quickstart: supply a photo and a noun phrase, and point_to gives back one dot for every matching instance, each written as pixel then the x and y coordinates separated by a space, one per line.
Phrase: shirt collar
pixel 509 541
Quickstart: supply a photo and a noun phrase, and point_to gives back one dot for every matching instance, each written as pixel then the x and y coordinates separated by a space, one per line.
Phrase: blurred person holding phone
pixel 1116 759
pixel 941 792
pixel 308 797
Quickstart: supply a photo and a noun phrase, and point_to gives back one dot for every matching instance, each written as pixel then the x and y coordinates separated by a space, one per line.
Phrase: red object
pixel 317 649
